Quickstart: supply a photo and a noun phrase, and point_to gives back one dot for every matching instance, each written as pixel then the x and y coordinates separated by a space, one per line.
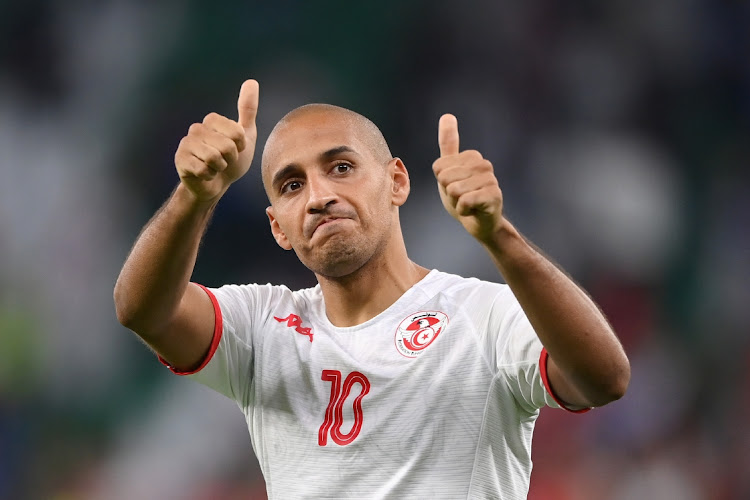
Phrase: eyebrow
pixel 331 153
pixel 325 156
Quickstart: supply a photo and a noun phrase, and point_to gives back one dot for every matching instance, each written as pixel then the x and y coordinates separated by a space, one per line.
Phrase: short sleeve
pixel 239 311
pixel 520 357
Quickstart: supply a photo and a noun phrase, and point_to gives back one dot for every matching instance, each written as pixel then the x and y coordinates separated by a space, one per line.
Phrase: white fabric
pixel 455 421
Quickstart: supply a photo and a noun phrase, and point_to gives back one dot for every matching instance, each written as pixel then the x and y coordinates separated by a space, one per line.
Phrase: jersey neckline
pixel 419 286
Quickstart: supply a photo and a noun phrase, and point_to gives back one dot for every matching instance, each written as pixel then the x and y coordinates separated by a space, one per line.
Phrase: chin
pixel 337 261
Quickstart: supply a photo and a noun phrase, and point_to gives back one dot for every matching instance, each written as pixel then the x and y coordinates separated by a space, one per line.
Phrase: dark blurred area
pixel 618 131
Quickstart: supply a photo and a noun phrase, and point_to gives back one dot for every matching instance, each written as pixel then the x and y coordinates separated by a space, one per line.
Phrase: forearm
pixel 586 364
pixel 156 274
pixel 570 326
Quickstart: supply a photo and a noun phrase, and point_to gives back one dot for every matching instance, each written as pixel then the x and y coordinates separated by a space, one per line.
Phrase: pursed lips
pixel 325 220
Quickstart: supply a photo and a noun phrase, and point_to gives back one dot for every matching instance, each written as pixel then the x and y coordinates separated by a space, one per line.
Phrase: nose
pixel 319 194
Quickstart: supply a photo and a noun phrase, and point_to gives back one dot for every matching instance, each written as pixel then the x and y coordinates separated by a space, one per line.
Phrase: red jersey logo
pixel 294 321
pixel 418 331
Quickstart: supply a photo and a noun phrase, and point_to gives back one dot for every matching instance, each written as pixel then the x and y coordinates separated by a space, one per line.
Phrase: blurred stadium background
pixel 619 132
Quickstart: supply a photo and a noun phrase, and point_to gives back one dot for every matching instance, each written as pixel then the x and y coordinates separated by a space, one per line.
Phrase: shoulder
pixel 484 303
pixel 257 289
pixel 263 297
pixel 463 289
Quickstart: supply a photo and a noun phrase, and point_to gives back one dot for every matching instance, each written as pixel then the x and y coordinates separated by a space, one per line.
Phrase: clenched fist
pixel 218 151
pixel 467 184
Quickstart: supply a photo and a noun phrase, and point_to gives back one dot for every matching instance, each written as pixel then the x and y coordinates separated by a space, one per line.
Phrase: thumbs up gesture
pixel 467 184
pixel 218 151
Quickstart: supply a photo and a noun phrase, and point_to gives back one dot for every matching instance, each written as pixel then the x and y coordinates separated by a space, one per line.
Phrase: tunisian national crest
pixel 418 331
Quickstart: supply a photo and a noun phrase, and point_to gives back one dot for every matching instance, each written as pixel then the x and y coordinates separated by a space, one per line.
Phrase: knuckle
pixel 214 158
pixel 220 164
pixel 193 165
pixel 453 190
pixel 195 128
pixel 438 165
pixel 227 148
pixel 237 133
pixel 203 174
pixel 187 143
pixel 211 118
pixel 206 175
pixel 240 144
pixel 182 158
pixel 473 154
pixel 490 180
pixel 230 156
pixel 185 169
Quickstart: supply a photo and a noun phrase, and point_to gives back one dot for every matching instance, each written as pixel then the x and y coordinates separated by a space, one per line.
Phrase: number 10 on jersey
pixel 334 417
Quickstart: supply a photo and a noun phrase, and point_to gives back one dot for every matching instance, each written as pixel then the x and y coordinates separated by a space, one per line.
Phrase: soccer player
pixel 386 379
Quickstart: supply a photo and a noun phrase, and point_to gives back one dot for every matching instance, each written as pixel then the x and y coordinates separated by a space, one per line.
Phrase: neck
pixel 353 299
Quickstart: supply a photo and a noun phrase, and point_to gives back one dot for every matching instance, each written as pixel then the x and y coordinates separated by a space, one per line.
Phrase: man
pixel 386 379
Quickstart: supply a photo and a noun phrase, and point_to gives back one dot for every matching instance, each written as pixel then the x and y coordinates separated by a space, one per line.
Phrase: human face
pixel 331 200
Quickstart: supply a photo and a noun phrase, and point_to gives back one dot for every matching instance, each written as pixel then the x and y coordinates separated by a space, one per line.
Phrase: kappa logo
pixel 294 321
pixel 418 331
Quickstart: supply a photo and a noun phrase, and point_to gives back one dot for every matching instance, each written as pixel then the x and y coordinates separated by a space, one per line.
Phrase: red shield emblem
pixel 418 331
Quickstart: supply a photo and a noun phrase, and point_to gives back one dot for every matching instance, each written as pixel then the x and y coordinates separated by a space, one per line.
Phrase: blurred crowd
pixel 619 132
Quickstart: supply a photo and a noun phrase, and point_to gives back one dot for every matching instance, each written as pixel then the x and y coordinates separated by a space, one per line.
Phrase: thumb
pixel 247 104
pixel 448 135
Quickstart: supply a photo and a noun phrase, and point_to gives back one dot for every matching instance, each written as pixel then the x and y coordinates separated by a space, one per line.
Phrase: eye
pixel 342 168
pixel 290 186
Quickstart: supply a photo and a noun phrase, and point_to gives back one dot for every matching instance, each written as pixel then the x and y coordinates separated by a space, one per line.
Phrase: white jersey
pixel 435 397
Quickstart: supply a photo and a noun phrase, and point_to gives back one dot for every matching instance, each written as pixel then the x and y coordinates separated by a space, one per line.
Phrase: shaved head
pixel 365 130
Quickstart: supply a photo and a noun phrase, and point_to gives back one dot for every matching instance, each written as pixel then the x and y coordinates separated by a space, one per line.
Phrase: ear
pixel 401 185
pixel 278 234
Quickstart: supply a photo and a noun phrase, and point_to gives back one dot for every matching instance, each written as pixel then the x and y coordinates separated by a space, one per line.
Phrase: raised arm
pixel 587 365
pixel 153 295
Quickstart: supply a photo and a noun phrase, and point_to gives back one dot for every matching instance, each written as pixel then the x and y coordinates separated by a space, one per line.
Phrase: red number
pixel 334 417
pixel 334 376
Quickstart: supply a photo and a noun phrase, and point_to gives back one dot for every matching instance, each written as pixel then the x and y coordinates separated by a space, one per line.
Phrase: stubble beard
pixel 344 254
pixel 339 257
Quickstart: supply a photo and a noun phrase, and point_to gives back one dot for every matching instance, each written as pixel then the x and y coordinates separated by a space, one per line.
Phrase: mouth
pixel 326 221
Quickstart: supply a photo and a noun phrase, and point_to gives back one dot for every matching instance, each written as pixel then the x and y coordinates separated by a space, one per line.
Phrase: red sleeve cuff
pixel 218 329
pixel 543 358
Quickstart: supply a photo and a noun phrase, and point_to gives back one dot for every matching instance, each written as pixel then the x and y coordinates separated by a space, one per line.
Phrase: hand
pixel 219 151
pixel 467 184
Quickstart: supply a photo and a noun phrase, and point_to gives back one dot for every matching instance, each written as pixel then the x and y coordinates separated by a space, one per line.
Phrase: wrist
pixel 503 238
pixel 189 202
pixel 508 248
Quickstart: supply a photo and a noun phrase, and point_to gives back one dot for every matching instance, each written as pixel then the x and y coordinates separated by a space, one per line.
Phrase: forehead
pixel 304 137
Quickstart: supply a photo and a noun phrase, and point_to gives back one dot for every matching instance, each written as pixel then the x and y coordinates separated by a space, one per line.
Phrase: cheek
pixel 288 224
pixel 380 209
